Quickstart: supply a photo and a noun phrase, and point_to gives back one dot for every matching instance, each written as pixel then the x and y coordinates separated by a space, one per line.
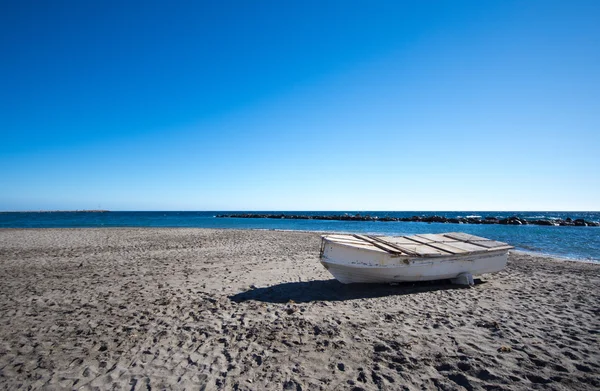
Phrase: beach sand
pixel 150 309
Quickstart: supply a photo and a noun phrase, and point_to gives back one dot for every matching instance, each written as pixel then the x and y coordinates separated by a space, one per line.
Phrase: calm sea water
pixel 582 243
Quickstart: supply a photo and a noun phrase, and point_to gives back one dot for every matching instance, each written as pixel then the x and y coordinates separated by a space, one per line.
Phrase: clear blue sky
pixel 308 105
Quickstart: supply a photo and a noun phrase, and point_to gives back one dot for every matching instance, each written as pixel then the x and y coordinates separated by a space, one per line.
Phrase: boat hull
pixel 351 265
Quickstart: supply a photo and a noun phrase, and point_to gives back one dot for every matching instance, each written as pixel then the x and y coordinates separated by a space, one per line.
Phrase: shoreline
pixel 138 308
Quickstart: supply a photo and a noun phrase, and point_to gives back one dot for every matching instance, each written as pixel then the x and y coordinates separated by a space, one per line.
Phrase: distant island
pixel 514 220
pixel 61 211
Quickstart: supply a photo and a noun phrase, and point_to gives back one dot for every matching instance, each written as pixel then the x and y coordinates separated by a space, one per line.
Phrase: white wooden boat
pixel 387 259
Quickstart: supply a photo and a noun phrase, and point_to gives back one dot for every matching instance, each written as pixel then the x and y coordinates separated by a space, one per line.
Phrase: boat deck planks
pixel 463 237
pixel 450 248
pixel 488 243
pixel 384 245
pixel 423 245
pixel 438 238
pixel 400 240
pixel 409 246
pixel 467 247
pixel 426 250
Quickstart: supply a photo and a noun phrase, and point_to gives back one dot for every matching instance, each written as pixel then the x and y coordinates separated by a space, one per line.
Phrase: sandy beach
pixel 151 309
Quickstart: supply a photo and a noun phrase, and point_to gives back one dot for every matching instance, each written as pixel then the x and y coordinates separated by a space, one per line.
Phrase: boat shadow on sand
pixel 333 290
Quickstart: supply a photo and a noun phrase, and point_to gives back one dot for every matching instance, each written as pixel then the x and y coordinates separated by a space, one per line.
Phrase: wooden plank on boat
pixel 438 238
pixel 344 238
pixel 338 237
pixel 349 240
pixel 382 245
pixel 420 246
pixel 418 239
pixel 402 248
pixel 448 247
pixel 353 243
pixel 400 240
pixel 427 250
pixel 467 247
pixel 366 246
pixel 483 243
pixel 489 243
pixel 421 249
pixel 463 236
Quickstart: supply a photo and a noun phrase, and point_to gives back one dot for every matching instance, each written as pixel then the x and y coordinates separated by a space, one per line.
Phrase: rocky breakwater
pixel 513 220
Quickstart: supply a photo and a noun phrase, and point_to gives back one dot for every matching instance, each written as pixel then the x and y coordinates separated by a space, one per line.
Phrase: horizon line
pixel 284 211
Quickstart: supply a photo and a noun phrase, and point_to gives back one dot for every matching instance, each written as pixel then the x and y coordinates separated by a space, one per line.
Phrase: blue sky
pixel 284 105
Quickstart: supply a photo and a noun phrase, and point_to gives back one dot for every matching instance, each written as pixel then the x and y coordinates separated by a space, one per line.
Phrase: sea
pixel 576 243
